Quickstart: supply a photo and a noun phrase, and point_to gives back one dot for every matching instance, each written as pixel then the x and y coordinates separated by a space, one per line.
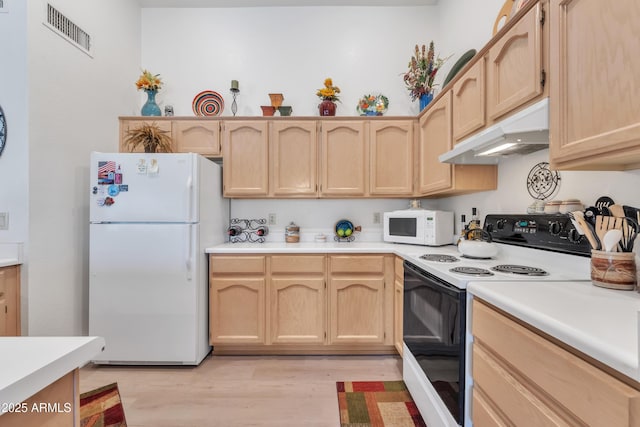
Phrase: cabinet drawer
pixel 297 263
pixel 518 403
pixel 373 264
pixel 594 396
pixel 237 264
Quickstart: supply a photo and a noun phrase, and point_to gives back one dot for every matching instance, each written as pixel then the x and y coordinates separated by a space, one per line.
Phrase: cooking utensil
pixel 611 239
pixel 629 234
pixel 575 223
pixel 587 228
pixel 604 202
pixel 617 211
pixel 631 212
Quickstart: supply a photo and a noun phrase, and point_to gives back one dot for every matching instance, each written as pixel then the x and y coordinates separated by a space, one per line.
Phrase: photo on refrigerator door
pixel 106 172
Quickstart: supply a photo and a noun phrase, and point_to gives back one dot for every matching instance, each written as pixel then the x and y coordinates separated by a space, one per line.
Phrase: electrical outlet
pixel 272 219
pixel 376 218
pixel 4 220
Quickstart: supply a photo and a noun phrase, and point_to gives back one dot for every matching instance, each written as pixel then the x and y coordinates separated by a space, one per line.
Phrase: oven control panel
pixel 553 232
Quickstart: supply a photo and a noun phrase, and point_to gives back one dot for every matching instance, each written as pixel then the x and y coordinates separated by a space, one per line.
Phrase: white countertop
pixel 10 254
pixel 6 262
pixel 601 323
pixel 29 364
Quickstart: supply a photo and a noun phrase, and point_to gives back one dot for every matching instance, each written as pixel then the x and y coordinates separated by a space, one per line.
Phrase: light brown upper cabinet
pixel 344 159
pixel 435 178
pixel 293 159
pixel 245 154
pixel 391 153
pixel 595 95
pixel 435 139
pixel 468 102
pixel 197 136
pixel 128 124
pixel 515 66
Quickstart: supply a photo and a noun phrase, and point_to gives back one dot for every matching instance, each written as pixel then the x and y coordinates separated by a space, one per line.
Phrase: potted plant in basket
pixel 423 67
pixel 150 137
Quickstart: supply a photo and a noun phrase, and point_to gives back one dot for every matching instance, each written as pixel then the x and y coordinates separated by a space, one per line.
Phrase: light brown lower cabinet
pixel 10 301
pixel 398 303
pixel 237 300
pixel 298 304
pixel 297 299
pixel 62 400
pixel 521 378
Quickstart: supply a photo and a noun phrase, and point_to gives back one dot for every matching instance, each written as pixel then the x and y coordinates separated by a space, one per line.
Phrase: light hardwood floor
pixel 234 391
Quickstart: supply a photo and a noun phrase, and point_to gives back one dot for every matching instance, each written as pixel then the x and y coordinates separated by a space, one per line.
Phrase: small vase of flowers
pixel 373 105
pixel 329 95
pixel 423 67
pixel 151 84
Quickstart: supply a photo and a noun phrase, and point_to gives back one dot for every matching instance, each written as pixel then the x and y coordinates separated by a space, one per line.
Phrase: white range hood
pixel 522 133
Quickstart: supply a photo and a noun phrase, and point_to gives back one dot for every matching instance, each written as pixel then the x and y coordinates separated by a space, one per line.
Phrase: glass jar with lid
pixel 292 233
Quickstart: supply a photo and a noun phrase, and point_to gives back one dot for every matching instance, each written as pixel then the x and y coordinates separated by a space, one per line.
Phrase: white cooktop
pixel 560 267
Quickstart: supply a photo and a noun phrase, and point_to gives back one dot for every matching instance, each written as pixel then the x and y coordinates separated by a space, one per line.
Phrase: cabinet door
pixel 198 136
pixel 293 158
pixel 297 310
pixel 468 102
pixel 344 159
pixel 9 301
pixel 595 95
pixel 391 154
pixel 237 310
pixel 127 124
pixel 245 158
pixel 435 139
pixel 514 66
pixel 356 310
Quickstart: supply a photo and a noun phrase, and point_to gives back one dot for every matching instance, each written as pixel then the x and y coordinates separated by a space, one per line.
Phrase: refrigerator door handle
pixel 189 252
pixel 190 192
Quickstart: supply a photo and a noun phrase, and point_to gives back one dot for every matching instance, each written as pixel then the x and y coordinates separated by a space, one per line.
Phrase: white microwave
pixel 419 227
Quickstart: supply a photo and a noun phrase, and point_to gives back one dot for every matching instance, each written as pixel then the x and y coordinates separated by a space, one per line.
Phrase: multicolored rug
pixel 377 404
pixel 102 407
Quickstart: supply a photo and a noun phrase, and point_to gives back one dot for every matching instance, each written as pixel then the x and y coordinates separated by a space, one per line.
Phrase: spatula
pixel 611 239
pixel 587 228
pixel 617 211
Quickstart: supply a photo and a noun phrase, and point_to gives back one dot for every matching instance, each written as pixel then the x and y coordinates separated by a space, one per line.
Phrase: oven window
pixel 434 322
pixel 403 227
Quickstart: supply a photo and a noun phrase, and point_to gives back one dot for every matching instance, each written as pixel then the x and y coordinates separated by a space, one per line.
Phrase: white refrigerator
pixel 151 218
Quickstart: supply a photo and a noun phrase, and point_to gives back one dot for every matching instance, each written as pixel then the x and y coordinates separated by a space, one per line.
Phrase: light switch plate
pixel 4 220
pixel 272 219
pixel 376 218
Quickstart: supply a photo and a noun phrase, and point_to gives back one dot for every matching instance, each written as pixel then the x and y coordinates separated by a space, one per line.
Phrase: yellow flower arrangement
pixel 148 81
pixel 329 92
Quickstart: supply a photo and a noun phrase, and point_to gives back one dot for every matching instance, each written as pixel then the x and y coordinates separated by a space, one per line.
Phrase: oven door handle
pixel 432 281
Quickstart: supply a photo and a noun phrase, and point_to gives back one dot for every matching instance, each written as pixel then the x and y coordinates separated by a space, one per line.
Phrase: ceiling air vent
pixel 68 30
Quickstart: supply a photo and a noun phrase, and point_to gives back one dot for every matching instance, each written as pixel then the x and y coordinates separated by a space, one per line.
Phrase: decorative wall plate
pixel 208 103
pixel 542 182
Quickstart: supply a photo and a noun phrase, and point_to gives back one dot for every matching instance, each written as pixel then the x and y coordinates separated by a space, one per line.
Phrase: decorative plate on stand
pixel 208 103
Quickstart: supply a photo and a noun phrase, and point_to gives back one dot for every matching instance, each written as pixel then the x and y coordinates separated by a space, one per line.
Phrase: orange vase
pixel 327 108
